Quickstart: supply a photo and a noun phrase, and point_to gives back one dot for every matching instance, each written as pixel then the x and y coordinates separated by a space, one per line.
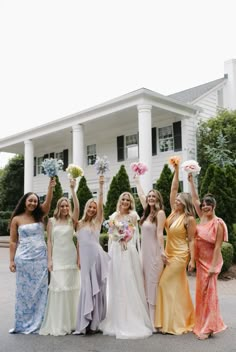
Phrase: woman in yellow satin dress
pixel 174 307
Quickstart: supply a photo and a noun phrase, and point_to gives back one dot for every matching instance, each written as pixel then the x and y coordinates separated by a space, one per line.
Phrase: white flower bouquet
pixel 52 166
pixel 74 171
pixel 191 166
pixel 102 165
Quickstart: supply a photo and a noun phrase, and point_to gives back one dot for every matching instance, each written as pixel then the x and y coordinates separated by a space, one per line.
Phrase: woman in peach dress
pixel 211 232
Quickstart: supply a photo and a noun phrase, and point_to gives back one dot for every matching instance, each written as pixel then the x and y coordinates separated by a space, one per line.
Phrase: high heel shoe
pixel 205 336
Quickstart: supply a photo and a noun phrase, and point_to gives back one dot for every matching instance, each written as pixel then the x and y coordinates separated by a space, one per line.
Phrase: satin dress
pixel 208 317
pixel 174 306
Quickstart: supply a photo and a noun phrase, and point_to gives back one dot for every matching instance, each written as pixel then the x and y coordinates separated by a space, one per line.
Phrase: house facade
pixel 139 126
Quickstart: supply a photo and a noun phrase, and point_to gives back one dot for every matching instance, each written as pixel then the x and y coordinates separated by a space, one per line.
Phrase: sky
pixel 59 57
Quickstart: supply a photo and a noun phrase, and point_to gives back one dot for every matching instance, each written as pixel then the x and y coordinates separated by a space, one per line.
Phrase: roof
pixel 194 93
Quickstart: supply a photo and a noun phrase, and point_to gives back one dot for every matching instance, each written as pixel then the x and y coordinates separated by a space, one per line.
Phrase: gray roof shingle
pixel 192 94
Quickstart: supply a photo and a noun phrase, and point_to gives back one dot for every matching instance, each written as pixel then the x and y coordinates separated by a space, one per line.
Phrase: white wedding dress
pixel 127 315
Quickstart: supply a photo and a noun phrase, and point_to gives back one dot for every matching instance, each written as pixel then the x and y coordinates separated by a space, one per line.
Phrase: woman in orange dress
pixel 174 306
pixel 211 232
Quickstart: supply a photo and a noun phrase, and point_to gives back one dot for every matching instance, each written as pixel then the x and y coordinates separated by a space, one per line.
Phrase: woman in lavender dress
pixel 93 263
pixel 28 258
pixel 152 246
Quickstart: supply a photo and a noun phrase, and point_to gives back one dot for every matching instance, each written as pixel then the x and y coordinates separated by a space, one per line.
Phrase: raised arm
pixel 140 191
pixel 75 215
pixel 191 231
pixel 174 187
pixel 13 243
pixel 195 198
pixel 100 199
pixel 47 203
pixel 49 245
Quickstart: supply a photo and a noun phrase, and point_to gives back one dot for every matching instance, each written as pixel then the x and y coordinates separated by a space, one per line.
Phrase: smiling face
pixel 125 202
pixel 91 210
pixel 31 202
pixel 64 208
pixel 151 198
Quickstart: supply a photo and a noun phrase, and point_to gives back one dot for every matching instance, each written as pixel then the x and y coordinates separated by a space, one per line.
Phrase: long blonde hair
pixel 158 206
pixel 84 218
pixel 186 200
pixel 131 198
pixel 57 211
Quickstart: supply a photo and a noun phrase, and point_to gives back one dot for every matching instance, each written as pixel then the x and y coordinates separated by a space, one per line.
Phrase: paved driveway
pixel 225 341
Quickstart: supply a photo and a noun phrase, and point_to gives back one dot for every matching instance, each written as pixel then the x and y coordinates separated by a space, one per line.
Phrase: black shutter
pixel 65 158
pixel 45 156
pixel 51 155
pixel 154 141
pixel 177 136
pixel 120 148
pixel 35 166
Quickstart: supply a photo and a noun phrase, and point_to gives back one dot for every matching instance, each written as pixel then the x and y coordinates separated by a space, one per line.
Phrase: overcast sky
pixel 61 56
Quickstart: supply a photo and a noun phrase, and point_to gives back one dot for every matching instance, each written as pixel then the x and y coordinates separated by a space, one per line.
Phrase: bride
pixel 127 316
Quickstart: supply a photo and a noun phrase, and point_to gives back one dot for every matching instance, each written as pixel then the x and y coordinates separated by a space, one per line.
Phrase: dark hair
pixel 209 200
pixel 20 208
pixel 158 206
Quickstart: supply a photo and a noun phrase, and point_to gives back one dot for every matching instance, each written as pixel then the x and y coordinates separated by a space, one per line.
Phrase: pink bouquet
pixel 174 160
pixel 139 168
pixel 191 166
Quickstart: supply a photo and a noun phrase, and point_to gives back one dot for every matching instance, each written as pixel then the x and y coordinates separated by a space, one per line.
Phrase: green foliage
pixel 138 205
pixel 4 221
pixel 57 194
pixel 12 183
pixel 221 182
pixel 103 240
pixel 119 184
pixel 227 254
pixel 209 132
pixel 83 194
pixel 220 155
pixel 163 185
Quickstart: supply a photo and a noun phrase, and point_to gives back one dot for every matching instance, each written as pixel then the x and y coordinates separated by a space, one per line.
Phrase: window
pixel 166 140
pixel 91 154
pixel 134 191
pixel 59 156
pixel 39 167
pixel 131 146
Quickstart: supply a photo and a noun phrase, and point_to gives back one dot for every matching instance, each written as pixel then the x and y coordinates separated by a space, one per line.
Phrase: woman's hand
pixel 78 264
pixel 101 179
pixel 52 182
pixel 164 258
pixel 191 265
pixel 211 271
pixel 72 183
pixel 190 177
pixel 12 266
pixel 50 266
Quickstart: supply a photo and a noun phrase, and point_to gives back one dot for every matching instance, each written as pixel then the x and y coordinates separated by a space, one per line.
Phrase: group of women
pixel 124 293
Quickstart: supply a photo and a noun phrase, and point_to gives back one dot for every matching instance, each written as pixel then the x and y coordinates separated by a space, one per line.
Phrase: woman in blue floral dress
pixel 28 258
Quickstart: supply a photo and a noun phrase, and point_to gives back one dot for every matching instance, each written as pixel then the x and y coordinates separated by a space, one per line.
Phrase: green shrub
pixel 103 239
pixel 4 221
pixel 227 254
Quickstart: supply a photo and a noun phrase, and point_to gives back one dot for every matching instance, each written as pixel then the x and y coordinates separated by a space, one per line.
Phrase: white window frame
pixel 91 154
pixel 131 148
pixel 166 138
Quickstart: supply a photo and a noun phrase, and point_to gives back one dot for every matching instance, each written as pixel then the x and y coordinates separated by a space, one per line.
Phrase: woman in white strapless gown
pixel 63 296
pixel 127 316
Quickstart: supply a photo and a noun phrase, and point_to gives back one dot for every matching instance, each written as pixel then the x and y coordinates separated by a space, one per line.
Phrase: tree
pixel 112 198
pixel 57 194
pixel 120 183
pixel 213 134
pixel 163 185
pixel 83 194
pixel 12 183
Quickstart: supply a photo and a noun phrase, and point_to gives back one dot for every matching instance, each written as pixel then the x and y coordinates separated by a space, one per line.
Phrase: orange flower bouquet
pixel 174 160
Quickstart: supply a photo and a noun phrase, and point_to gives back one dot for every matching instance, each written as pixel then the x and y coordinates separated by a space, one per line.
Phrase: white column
pixel 185 154
pixel 28 166
pixel 230 86
pixel 78 145
pixel 145 143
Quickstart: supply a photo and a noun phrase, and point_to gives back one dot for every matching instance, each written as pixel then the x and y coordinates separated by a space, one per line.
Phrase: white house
pixel 141 125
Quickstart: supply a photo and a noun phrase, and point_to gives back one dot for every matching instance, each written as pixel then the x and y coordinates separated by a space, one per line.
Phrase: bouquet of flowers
pixel 102 165
pixel 121 231
pixel 191 166
pixel 74 171
pixel 174 160
pixel 52 166
pixel 139 168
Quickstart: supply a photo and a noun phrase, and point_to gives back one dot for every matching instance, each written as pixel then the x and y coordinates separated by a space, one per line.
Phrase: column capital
pixel 77 127
pixel 28 141
pixel 144 107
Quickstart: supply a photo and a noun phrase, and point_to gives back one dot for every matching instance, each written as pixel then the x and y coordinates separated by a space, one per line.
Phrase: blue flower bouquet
pixel 51 167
